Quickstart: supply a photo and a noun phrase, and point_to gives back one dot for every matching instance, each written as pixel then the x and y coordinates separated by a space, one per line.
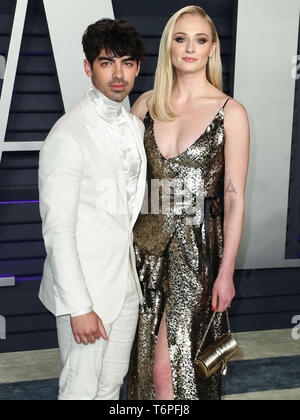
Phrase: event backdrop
pixel 42 77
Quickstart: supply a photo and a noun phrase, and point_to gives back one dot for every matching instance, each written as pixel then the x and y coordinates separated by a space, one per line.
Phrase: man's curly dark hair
pixel 117 37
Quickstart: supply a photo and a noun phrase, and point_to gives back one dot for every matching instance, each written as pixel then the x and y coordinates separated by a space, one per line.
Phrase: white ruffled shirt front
pixel 116 115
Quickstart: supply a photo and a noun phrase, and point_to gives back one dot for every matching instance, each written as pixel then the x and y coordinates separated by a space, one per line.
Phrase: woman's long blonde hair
pixel 160 106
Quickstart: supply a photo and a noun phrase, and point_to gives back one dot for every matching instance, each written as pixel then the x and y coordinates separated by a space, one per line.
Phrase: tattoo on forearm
pixel 230 187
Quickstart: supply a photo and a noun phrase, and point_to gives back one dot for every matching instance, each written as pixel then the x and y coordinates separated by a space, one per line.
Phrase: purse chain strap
pixel 208 328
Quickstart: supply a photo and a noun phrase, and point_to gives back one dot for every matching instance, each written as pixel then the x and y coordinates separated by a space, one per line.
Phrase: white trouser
pixel 97 371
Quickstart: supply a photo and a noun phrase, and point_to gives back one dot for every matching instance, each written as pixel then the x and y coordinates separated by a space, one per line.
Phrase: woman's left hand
pixel 223 292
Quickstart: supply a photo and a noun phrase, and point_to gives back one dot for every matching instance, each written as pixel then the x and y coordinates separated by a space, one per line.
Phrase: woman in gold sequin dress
pixel 185 258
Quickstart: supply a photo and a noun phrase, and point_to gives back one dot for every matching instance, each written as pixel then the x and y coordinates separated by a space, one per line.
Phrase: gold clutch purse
pixel 217 354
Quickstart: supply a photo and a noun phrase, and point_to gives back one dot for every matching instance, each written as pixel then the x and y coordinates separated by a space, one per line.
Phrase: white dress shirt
pixel 113 113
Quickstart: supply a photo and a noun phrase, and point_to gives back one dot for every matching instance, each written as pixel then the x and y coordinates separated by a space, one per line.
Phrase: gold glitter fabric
pixel 177 263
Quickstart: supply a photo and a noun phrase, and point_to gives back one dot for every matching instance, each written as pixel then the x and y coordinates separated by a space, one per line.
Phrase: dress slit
pixel 165 316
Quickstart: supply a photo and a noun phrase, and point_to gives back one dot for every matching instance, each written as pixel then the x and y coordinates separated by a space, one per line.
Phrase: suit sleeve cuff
pixel 82 312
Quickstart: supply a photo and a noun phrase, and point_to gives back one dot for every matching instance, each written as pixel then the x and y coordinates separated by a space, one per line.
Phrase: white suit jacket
pixel 83 205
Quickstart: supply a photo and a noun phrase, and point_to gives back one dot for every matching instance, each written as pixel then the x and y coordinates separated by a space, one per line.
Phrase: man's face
pixel 113 76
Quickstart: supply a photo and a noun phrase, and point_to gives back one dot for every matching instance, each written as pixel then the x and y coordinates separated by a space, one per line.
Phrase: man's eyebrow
pixel 112 59
pixel 106 59
pixel 128 59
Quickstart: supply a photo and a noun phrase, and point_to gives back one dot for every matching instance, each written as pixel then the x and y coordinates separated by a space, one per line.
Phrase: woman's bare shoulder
pixel 235 108
pixel 236 118
pixel 140 108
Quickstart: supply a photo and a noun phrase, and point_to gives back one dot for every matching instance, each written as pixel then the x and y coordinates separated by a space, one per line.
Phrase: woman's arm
pixel 237 146
pixel 140 108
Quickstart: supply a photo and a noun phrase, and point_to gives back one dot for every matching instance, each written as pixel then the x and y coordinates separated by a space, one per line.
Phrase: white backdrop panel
pixel 67 20
pixel 267 41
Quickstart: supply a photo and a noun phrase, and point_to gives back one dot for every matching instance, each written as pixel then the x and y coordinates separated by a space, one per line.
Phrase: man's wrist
pixel 82 312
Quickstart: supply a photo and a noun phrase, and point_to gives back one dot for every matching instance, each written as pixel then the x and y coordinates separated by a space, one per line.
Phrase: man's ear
pixel 88 68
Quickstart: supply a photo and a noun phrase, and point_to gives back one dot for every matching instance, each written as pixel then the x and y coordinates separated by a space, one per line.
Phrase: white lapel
pixel 95 127
pixel 139 139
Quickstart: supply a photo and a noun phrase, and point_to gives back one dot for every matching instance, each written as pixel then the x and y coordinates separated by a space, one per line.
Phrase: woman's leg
pixel 162 367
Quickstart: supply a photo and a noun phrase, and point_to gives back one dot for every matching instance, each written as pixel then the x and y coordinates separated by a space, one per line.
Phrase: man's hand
pixel 88 328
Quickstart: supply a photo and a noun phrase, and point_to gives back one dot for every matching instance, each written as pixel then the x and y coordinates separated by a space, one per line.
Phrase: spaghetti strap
pixel 226 103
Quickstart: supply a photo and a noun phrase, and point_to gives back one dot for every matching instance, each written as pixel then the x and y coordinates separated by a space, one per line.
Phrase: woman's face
pixel 191 44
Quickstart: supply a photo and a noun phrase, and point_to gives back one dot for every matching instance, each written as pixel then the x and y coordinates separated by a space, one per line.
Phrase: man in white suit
pixel 92 174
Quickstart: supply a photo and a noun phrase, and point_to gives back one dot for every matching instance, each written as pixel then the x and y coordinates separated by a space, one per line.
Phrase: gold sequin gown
pixel 177 263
